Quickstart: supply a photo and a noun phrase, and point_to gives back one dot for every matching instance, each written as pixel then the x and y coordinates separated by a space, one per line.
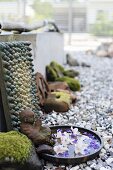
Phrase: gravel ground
pixel 93 109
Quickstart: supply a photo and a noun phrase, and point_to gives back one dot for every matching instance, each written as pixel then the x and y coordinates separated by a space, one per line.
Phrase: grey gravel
pixel 93 107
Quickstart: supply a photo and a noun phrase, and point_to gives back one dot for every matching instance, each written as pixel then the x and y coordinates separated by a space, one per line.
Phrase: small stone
pixel 75 168
pixel 103 168
pixel 93 165
pixel 107 138
pixel 87 168
pixel 106 146
pixel 109 161
pixel 111 153
pixel 81 166
pixel 89 162
pixel 7 159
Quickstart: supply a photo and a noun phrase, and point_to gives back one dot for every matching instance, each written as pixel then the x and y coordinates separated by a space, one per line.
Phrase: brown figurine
pixel 32 127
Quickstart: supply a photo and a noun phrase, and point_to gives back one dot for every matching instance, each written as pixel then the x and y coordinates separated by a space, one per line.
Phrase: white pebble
pixel 106 146
pixel 93 165
pixel 109 161
pixel 87 168
pixel 106 137
pixel 102 168
pixel 75 168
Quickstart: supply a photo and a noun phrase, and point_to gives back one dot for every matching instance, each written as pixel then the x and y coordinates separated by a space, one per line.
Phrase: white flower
pixel 80 146
pixel 60 149
pixel 75 131
pixel 65 140
pixel 59 134
pixel 84 138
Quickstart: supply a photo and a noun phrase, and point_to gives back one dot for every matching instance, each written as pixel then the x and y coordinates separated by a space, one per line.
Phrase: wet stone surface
pixel 93 109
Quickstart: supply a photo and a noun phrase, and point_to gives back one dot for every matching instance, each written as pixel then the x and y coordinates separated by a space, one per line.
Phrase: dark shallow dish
pixel 73 160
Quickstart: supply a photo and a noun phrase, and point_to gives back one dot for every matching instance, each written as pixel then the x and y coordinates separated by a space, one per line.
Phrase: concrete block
pixel 47 46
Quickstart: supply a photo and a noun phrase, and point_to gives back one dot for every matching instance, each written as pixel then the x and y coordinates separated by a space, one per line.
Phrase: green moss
pixel 51 75
pixel 71 73
pixel 60 71
pixel 14 145
pixel 57 66
pixel 63 97
pixel 73 83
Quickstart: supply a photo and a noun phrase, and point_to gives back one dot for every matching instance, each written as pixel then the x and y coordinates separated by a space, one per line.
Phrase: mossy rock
pixel 57 101
pixel 74 84
pixel 57 68
pixel 51 75
pixel 62 97
pixel 55 65
pixel 71 73
pixel 14 146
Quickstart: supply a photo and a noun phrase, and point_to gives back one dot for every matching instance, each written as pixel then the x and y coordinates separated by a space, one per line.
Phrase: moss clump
pixel 57 66
pixel 51 75
pixel 55 70
pixel 14 146
pixel 71 73
pixel 72 83
pixel 62 97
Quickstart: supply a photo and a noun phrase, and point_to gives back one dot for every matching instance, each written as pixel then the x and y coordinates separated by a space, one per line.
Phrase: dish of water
pixel 74 145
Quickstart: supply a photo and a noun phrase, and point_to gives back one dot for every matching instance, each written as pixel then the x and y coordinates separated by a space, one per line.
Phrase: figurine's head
pixel 27 116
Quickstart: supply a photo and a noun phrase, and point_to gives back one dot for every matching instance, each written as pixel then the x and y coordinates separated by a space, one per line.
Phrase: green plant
pixel 43 10
pixel 103 26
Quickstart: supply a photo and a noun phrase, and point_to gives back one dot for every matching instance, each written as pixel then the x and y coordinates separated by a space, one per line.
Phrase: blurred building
pixel 95 7
pixel 84 13
pixel 8 9
pixel 15 9
pixel 61 12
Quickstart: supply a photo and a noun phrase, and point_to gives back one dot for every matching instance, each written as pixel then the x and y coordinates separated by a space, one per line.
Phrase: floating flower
pixel 80 146
pixel 72 140
pixel 75 131
pixel 60 149
pixel 65 139
pixel 85 139
pixel 59 134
